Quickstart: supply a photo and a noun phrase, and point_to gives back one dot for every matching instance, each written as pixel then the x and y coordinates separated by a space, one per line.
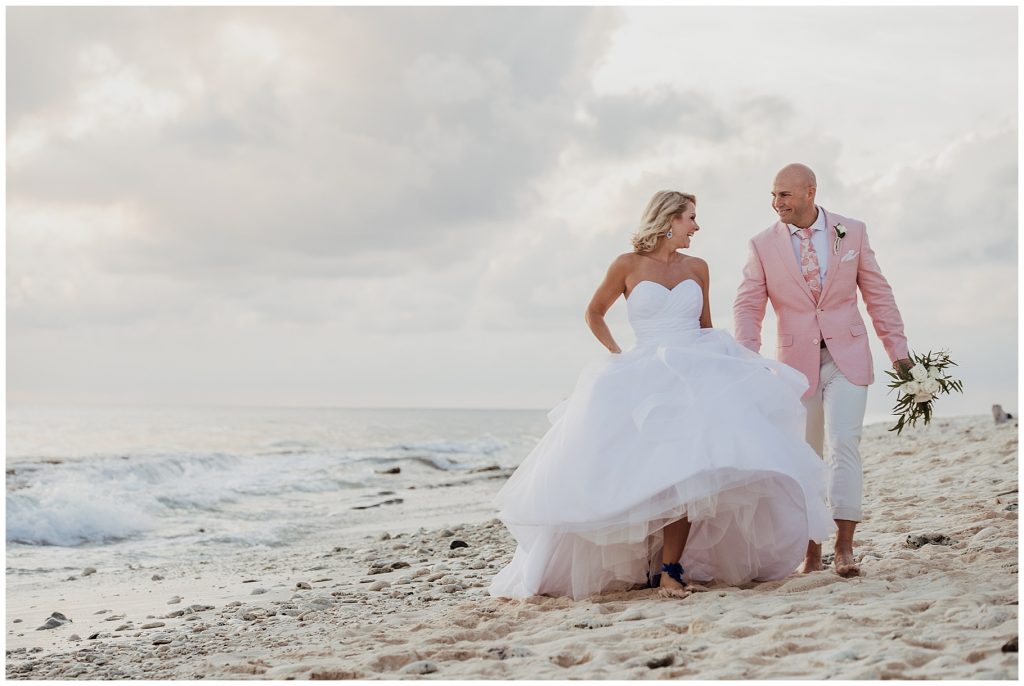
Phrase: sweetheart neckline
pixel 663 285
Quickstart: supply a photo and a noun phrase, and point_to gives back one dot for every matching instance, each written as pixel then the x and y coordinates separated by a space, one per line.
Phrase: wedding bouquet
pixel 918 386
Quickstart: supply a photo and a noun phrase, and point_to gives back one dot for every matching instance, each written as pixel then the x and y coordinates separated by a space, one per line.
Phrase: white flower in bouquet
pixel 918 387
pixel 919 372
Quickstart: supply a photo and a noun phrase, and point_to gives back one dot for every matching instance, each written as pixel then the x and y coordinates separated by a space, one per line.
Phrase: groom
pixel 810 264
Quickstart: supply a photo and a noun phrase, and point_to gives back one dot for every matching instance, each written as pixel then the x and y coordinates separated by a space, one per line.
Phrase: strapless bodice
pixel 657 314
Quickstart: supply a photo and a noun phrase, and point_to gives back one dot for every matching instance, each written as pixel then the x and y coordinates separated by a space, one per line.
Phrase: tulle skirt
pixel 692 425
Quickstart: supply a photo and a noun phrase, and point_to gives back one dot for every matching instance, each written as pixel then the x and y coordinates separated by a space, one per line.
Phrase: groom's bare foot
pixel 812 560
pixel 846 566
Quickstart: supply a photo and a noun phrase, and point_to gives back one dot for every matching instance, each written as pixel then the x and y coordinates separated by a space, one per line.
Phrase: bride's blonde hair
pixel 661 210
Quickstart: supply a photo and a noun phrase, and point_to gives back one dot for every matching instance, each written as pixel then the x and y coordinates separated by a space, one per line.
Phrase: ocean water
pixel 146 485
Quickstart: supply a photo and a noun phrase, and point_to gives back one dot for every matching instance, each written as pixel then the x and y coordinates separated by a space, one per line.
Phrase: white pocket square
pixel 850 254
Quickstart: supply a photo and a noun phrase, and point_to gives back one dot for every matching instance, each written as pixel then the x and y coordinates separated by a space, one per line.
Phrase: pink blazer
pixel 772 273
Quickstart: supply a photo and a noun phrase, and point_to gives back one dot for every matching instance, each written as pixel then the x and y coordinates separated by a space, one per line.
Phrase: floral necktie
pixel 809 263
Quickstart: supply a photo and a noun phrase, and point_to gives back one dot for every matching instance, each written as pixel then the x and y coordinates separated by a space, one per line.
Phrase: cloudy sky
pixel 412 206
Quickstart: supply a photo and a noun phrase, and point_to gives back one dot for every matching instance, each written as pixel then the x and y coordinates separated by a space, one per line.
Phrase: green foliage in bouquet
pixel 918 387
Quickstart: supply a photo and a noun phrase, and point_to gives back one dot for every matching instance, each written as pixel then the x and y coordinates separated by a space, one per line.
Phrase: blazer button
pixel 815 341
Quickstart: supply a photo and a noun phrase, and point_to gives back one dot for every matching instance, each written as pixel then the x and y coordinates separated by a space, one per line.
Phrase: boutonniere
pixel 840 234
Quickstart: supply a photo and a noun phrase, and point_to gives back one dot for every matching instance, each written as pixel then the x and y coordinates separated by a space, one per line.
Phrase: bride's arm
pixel 704 278
pixel 607 293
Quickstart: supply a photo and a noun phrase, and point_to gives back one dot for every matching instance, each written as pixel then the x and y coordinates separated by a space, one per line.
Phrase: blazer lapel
pixel 834 261
pixel 785 247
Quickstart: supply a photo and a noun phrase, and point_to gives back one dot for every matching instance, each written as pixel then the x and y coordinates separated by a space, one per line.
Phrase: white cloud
pixel 413 205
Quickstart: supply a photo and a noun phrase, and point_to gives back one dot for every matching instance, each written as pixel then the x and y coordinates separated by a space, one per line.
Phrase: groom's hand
pixel 903 365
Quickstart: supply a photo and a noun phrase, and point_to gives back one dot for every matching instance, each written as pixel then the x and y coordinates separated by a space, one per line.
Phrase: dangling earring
pixel 669 234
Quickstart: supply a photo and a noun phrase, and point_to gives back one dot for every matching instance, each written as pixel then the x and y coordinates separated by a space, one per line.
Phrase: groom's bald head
pixel 793 194
pixel 797 174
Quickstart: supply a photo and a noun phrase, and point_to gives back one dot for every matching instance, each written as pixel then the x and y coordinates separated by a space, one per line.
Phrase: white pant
pixel 837 408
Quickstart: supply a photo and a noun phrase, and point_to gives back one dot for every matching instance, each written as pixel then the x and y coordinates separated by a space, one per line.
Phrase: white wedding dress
pixel 688 422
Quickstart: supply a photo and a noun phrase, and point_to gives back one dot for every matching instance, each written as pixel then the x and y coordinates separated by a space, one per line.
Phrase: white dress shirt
pixel 819 239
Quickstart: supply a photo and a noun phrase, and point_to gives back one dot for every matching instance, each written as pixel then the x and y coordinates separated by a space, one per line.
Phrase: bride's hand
pixel 615 351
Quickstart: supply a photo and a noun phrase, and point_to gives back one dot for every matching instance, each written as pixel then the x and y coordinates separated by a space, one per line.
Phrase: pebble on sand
pixel 420 667
pixel 53 621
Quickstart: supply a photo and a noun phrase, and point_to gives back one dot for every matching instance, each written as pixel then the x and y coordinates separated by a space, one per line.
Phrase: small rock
pixel 74 637
pixel 1010 646
pixel 458 544
pixel 161 639
pixel 88 570
pixel 156 577
pixel 390 470
pixel 446 533
pixel 175 599
pixel 420 667
pixel 257 591
pixel 505 652
pixel 633 614
pixel 152 625
pixel 919 540
pixel 53 621
pixel 16 621
pixel 659 662
pixel 123 627
pixel 384 537
pixel 378 586
pixel 984 534
pixel 93 637
pixel 303 585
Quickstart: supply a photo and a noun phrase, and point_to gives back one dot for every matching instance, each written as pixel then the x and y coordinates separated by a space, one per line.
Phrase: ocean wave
pixel 52 516
pixel 111 498
pixel 486 445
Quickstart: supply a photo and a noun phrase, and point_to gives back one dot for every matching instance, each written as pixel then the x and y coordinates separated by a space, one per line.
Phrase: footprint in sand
pixel 393 661
pixel 810 582
pixel 743 631
pixel 570 657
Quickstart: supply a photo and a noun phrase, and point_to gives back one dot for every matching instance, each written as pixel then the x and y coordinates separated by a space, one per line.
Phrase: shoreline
pixel 392 599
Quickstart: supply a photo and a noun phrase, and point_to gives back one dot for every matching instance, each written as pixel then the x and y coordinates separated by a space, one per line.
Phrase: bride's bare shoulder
pixel 625 262
pixel 695 262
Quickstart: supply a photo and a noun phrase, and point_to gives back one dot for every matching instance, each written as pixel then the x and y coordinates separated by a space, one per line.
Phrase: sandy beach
pixel 403 595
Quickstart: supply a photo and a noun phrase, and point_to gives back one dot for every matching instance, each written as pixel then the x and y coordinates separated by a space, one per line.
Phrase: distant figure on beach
pixel 680 460
pixel 810 264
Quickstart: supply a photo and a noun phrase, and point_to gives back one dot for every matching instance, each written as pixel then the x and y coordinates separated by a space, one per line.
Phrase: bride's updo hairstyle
pixel 661 210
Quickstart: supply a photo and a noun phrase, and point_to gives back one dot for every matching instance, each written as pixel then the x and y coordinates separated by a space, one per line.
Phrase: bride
pixel 683 458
